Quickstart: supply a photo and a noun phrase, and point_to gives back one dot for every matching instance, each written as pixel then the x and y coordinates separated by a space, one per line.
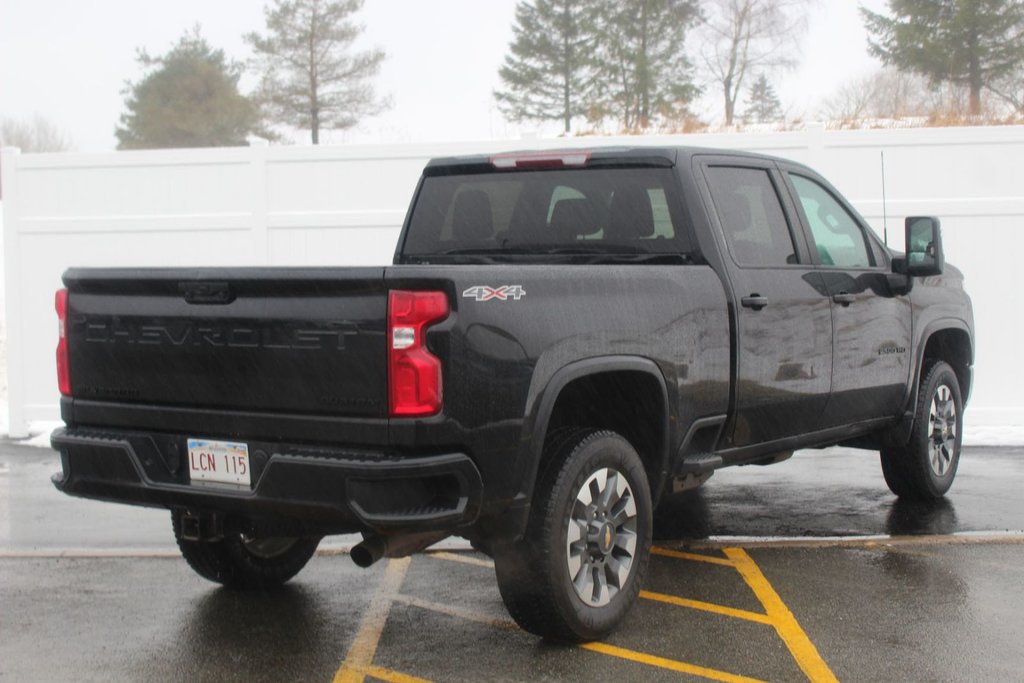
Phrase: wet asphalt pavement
pixel 788 572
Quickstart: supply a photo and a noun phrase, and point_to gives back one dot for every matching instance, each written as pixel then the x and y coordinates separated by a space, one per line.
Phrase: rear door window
pixel 751 214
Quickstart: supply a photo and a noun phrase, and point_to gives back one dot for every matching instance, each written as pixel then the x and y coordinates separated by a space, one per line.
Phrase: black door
pixel 871 324
pixel 784 323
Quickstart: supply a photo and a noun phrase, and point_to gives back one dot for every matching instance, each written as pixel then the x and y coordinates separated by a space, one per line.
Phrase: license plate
pixel 218 462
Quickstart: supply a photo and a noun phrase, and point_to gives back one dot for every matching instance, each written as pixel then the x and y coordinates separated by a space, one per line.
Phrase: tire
pixel 575 532
pixel 924 469
pixel 237 561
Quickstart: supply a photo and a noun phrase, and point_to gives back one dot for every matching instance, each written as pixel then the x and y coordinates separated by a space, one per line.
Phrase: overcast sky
pixel 68 60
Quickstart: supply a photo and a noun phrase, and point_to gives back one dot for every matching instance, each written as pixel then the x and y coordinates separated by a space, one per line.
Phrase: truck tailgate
pixel 308 341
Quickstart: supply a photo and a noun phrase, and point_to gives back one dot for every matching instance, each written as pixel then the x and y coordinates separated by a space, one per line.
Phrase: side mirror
pixel 924 246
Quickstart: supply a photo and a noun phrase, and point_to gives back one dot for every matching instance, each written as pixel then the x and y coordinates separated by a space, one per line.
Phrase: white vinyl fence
pixel 265 205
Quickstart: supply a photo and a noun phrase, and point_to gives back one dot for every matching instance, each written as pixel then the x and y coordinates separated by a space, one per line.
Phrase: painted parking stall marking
pixel 776 613
pixel 358 663
pixel 359 660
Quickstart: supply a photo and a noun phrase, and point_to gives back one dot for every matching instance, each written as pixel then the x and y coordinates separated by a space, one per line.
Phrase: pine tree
pixel 642 63
pixel 763 104
pixel 547 74
pixel 973 43
pixel 311 77
pixel 188 98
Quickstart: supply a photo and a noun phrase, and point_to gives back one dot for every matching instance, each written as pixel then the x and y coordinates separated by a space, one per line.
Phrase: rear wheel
pixel 924 469
pixel 241 561
pixel 578 569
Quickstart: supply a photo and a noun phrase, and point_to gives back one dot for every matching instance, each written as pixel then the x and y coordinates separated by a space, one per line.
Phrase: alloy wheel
pixel 942 431
pixel 602 537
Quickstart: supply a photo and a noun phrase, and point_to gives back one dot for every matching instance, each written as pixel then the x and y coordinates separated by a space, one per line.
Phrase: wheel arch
pixel 562 400
pixel 948 340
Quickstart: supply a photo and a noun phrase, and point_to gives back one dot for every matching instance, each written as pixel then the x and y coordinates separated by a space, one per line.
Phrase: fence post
pixel 260 226
pixel 13 323
pixel 814 134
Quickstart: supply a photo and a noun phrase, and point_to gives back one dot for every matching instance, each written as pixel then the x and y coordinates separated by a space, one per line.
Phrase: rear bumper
pixel 334 491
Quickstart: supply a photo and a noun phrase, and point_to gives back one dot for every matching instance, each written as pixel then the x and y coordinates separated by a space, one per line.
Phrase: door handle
pixel 844 298
pixel 755 301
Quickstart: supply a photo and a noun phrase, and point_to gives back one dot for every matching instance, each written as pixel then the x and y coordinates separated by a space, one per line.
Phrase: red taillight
pixel 414 374
pixel 63 367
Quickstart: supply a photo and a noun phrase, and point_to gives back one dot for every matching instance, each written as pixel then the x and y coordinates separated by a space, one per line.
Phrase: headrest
pixel 737 213
pixel 572 218
pixel 630 216
pixel 471 216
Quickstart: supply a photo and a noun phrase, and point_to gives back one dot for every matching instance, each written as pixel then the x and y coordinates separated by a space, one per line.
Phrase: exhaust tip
pixel 368 552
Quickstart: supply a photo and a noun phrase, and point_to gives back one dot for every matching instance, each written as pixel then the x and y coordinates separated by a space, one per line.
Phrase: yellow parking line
pixel 696 557
pixel 464 559
pixel 380 673
pixel 669 664
pixel 708 607
pixel 456 612
pixel 360 655
pixel 393 676
pixel 359 661
pixel 602 648
pixel 800 646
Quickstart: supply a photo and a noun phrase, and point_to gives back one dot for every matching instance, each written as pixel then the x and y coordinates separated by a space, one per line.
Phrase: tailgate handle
pixel 207 292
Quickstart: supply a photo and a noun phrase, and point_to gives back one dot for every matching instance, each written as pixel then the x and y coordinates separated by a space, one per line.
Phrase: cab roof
pixel 581 157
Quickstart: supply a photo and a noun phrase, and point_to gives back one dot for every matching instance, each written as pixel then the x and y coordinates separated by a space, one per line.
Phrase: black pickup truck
pixel 564 340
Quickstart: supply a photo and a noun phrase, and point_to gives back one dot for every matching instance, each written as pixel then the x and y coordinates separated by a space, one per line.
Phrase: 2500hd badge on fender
pixel 563 341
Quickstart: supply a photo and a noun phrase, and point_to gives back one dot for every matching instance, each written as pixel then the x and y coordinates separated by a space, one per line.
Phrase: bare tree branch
pixel 741 36
pixel 37 134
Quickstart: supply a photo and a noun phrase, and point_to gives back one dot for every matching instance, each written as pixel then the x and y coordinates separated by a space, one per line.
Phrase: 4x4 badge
pixel 503 293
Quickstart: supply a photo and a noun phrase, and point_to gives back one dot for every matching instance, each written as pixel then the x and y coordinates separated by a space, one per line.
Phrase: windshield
pixel 581 211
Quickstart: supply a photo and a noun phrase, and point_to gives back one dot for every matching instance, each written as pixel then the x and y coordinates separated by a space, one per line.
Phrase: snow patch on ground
pixel 4 425
pixel 986 435
pixel 39 433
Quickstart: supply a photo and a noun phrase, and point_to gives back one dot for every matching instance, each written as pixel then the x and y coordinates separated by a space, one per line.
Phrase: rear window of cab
pixel 632 210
